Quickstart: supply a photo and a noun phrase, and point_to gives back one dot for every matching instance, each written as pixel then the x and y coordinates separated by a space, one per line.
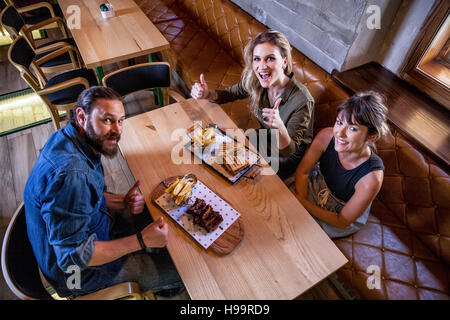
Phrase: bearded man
pixel 69 214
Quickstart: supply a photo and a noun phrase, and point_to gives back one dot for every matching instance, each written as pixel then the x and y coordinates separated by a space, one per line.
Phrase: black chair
pixel 37 12
pixel 19 265
pixel 145 76
pixel 58 93
pixel 21 271
pixel 16 26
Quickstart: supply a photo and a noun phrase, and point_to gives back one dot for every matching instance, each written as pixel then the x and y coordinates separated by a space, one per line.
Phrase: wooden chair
pixel 145 76
pixel 16 26
pixel 22 275
pixel 37 12
pixel 58 93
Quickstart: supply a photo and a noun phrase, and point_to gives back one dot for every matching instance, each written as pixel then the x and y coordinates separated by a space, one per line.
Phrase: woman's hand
pixel 271 117
pixel 200 90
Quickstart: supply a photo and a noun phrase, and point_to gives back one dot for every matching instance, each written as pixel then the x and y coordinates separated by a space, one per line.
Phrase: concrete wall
pixel 402 33
pixel 368 41
pixel 335 34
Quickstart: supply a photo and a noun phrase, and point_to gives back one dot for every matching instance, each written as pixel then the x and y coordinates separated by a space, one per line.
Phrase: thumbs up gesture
pixel 271 117
pixel 200 90
pixel 134 200
pixel 277 104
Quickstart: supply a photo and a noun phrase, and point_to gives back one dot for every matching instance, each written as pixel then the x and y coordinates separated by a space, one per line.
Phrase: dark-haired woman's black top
pixel 341 181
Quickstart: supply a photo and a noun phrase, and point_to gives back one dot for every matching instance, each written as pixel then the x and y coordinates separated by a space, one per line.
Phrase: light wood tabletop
pixel 102 41
pixel 283 252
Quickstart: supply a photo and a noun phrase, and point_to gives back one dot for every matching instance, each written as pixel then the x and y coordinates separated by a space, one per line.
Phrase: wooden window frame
pixel 410 71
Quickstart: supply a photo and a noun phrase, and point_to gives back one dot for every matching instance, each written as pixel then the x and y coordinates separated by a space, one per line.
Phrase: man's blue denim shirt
pixel 66 212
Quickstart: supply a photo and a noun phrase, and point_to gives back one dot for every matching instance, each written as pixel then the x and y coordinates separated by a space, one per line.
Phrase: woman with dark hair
pixel 276 98
pixel 340 175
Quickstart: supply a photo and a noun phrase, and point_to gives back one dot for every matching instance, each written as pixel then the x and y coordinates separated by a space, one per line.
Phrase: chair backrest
pixel 139 77
pixel 12 21
pixel 19 265
pixel 21 55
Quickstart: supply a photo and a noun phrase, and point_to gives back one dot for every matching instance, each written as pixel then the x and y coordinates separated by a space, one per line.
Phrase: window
pixel 428 68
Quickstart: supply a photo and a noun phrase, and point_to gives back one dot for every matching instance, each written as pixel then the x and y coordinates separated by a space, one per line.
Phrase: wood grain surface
pixel 102 41
pixel 283 252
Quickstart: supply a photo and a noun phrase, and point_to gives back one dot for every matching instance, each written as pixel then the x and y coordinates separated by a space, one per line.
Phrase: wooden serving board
pixel 227 241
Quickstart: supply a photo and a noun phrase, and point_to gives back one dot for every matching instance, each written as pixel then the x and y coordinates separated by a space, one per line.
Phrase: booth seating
pixel 406 242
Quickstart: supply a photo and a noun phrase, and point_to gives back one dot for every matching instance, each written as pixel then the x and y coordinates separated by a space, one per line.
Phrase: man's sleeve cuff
pixel 83 253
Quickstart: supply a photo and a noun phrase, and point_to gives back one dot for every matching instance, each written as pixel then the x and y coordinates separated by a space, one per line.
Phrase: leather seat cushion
pixel 69 41
pixel 41 14
pixel 415 189
pixel 56 61
pixel 70 95
pixel 59 60
pixel 408 269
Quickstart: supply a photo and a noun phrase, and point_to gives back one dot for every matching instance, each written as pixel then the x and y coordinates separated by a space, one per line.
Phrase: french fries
pixel 180 190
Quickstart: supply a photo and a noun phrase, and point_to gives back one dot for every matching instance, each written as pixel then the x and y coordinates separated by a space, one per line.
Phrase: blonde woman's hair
pixel 248 78
pixel 367 109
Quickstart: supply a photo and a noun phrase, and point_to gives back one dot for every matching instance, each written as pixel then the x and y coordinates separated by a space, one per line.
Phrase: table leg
pixel 43 34
pixel 100 75
pixel 158 97
pixel 152 57
pixel 156 92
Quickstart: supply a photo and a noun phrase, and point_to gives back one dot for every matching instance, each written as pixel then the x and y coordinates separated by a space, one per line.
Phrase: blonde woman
pixel 277 99
pixel 340 174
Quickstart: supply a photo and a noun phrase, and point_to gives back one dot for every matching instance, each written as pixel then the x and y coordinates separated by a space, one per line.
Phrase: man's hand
pixel 134 200
pixel 155 235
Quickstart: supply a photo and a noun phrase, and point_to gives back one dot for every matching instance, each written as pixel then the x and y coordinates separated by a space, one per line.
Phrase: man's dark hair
pixel 87 98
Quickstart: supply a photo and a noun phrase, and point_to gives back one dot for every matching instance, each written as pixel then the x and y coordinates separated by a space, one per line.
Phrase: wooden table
pixel 283 252
pixel 102 41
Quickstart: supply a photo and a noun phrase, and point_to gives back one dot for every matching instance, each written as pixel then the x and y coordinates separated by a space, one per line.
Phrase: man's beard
pixel 97 142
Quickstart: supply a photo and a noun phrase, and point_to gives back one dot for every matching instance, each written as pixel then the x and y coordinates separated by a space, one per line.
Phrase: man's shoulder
pixel 62 155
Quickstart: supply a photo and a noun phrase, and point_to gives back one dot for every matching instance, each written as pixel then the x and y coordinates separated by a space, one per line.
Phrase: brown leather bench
pixel 407 236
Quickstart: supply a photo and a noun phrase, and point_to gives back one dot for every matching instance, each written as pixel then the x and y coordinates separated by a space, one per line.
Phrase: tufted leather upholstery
pixel 408 232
